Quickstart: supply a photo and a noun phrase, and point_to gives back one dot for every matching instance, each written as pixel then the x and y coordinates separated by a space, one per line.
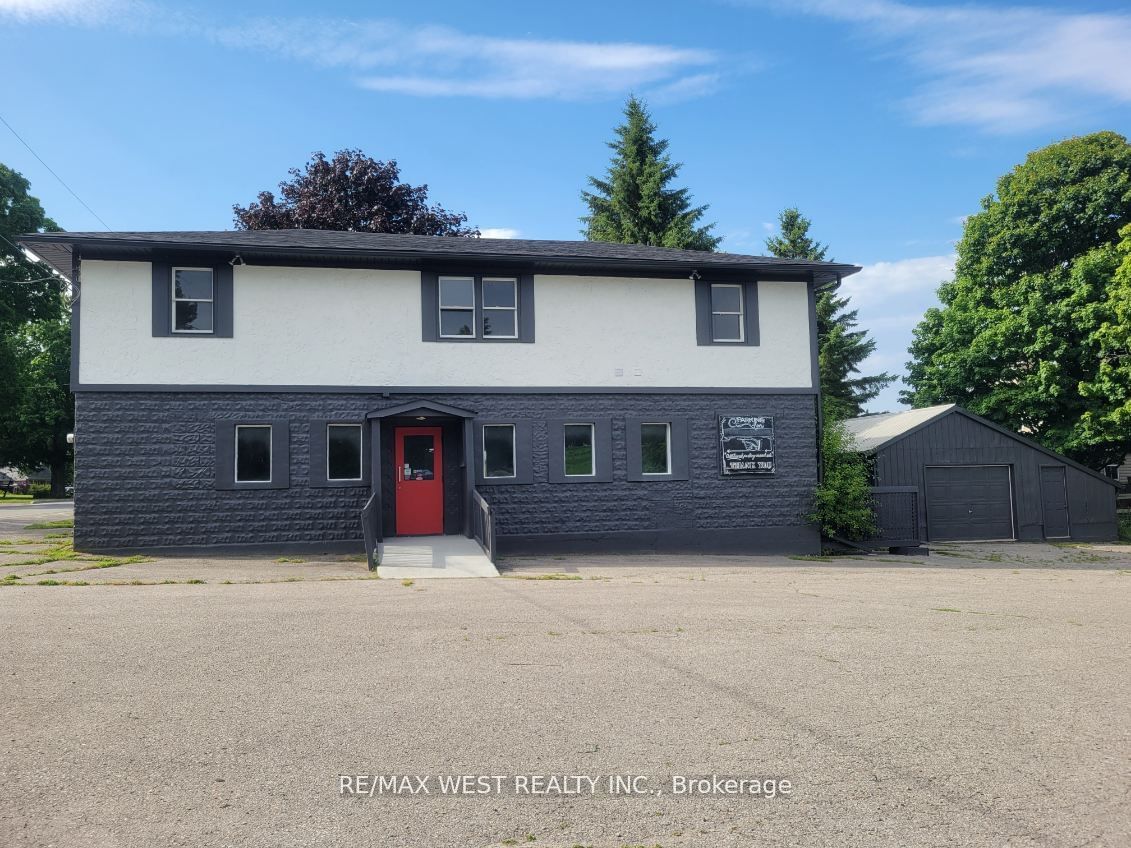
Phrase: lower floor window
pixel 655 448
pixel 343 452
pixel 498 450
pixel 253 453
pixel 579 450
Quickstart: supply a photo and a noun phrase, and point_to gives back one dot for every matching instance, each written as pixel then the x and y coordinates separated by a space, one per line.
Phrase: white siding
pixel 342 327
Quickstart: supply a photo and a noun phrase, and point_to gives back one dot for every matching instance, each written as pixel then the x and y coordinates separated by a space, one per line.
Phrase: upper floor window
pixel 193 298
pixel 457 307
pixel 1111 472
pixel 727 313
pixel 500 307
pixel 473 307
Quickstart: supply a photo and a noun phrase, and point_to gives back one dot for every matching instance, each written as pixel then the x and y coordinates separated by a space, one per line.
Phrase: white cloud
pixel 72 11
pixel 422 61
pixel 499 232
pixel 1003 69
pixel 443 63
pixel 881 281
pixel 891 298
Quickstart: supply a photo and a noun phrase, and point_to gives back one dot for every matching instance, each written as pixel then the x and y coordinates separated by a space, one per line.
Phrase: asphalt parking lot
pixel 976 697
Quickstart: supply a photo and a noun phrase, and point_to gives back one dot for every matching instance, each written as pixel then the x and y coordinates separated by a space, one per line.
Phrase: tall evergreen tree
pixel 841 347
pixel 635 203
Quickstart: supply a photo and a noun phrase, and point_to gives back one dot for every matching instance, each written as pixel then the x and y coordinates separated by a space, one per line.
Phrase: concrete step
pixel 417 557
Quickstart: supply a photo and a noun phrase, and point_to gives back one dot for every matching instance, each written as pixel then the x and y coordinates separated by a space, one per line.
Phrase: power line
pixel 56 176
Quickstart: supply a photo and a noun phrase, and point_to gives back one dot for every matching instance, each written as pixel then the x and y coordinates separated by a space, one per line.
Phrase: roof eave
pixel 422 258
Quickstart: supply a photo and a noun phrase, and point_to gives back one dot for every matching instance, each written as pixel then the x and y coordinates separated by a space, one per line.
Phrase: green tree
pixel 1108 420
pixel 36 409
pixel 1024 329
pixel 28 291
pixel 33 432
pixel 840 346
pixel 843 500
pixel 635 203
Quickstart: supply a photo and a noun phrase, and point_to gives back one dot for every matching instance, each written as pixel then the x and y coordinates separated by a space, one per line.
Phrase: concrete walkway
pixel 416 557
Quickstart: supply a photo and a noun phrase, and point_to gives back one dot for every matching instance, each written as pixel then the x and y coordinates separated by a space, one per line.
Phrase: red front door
pixel 420 481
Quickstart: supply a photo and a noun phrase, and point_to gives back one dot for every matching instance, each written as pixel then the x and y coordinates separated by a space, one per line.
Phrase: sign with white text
pixel 747 444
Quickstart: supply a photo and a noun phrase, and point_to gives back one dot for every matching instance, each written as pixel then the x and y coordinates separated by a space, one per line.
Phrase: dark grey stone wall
pixel 145 470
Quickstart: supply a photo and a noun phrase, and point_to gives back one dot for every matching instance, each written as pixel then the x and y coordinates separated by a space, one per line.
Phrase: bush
pixel 39 490
pixel 843 503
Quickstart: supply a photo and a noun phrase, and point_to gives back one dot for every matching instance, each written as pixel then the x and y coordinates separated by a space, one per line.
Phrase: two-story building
pixel 301 387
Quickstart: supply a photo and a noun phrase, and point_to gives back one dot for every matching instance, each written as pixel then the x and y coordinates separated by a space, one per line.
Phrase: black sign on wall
pixel 747 444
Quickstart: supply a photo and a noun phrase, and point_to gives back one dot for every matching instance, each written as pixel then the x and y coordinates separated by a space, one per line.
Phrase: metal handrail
pixel 483 524
pixel 371 529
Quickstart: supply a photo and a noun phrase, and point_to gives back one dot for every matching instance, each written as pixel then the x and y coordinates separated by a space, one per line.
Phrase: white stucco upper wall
pixel 347 327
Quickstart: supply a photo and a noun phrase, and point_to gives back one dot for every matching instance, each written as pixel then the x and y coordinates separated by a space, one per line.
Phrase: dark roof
pixel 873 433
pixel 408 251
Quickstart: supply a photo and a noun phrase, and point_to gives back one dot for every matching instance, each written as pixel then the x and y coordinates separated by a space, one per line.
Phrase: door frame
pixel 400 433
pixel 1012 498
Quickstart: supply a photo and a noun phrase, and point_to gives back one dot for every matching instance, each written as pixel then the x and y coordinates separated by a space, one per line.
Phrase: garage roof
pixel 871 433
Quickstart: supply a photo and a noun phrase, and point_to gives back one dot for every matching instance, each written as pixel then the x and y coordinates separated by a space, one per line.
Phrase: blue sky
pixel 885 122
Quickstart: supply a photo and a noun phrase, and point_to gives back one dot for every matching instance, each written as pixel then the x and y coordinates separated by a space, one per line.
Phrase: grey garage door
pixel 968 502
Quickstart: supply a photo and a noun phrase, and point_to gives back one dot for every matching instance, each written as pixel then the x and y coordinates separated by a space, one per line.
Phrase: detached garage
pixel 970 480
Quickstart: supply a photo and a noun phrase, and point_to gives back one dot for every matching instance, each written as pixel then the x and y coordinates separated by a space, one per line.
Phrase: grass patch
pixel 51 525
pixel 290 559
pixel 114 562
pixel 811 557
pixel 57 535
pixel 945 609
pixel 195 581
pixel 407 582
pixel 9 497
pixel 556 575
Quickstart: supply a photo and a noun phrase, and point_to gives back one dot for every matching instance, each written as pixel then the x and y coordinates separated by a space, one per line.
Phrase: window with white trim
pixel 655 448
pixel 343 452
pixel 193 298
pixel 253 453
pixel 578 446
pixel 500 307
pixel 499 459
pixel 727 313
pixel 457 307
